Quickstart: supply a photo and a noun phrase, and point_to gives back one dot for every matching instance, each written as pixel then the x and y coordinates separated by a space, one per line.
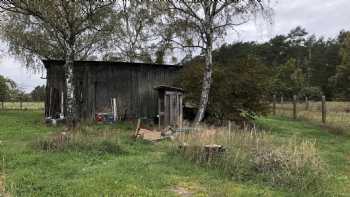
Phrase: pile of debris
pixel 105 118
pixel 155 135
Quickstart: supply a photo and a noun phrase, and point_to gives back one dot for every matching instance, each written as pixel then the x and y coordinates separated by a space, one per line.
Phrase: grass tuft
pixel 84 139
pixel 250 155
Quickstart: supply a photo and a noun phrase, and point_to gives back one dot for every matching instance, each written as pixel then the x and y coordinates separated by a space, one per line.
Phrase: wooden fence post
pixel 20 103
pixel 62 105
pixel 274 105
pixel 114 101
pixel 138 126
pixel 229 131
pixel 2 105
pixel 295 107
pixel 306 103
pixel 324 111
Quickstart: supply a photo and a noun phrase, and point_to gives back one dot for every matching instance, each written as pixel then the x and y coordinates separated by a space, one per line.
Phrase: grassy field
pixel 338 114
pixel 110 163
pixel 334 148
pixel 25 105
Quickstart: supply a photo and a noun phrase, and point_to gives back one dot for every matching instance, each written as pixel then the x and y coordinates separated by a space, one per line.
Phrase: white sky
pixel 320 17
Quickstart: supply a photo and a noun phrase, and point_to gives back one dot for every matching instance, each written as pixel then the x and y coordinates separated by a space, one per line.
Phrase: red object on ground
pixel 99 118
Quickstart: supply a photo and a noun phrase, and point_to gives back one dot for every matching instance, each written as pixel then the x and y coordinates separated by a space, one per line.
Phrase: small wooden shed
pixel 170 100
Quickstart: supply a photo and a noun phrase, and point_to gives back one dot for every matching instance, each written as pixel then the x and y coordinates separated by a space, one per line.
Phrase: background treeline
pixel 247 74
pixel 10 91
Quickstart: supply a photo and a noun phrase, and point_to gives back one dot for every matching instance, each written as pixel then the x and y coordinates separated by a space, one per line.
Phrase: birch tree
pixel 139 37
pixel 71 29
pixel 131 41
pixel 199 24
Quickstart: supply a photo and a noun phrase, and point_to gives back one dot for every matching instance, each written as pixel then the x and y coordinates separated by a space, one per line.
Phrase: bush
pixel 314 93
pixel 240 83
pixel 250 155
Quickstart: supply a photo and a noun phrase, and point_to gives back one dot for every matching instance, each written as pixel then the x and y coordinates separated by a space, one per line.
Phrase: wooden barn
pixel 132 85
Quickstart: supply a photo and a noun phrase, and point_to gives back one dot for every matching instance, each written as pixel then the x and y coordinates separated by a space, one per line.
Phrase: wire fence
pixel 330 113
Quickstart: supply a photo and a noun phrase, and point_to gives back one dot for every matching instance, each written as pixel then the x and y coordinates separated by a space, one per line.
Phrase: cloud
pixel 320 17
pixel 14 69
pixel 323 18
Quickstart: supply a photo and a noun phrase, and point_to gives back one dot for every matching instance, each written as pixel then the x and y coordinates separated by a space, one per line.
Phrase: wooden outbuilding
pixel 98 82
pixel 170 108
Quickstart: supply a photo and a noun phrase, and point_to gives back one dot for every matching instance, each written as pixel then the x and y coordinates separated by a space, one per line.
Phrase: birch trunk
pixel 71 108
pixel 207 79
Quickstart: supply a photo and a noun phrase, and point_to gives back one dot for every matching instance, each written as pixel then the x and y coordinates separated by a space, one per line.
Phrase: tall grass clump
pixel 251 155
pixel 84 139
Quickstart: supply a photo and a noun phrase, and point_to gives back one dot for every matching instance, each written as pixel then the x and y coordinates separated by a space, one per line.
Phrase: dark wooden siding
pixel 132 85
pixel 54 87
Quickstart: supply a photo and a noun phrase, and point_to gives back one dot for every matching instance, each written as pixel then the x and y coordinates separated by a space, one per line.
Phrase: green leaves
pixel 342 76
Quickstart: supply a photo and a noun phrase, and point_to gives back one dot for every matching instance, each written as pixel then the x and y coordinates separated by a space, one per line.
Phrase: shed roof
pixel 168 88
pixel 92 63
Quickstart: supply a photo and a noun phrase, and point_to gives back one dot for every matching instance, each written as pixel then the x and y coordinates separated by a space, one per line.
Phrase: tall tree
pixel 139 37
pixel 74 27
pixel 8 89
pixel 289 79
pixel 4 90
pixel 199 24
pixel 342 76
pixel 131 41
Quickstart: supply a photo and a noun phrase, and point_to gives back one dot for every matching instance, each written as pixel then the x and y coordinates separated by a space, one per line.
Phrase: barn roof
pixel 168 88
pixel 97 63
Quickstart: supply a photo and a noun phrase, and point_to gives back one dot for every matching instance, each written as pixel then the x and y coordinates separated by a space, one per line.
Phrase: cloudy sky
pixel 320 17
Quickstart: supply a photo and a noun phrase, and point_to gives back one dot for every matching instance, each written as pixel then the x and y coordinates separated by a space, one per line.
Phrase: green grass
pixel 334 148
pixel 140 169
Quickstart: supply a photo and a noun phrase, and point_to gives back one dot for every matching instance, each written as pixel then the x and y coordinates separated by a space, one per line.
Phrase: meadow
pixel 103 160
pixel 25 105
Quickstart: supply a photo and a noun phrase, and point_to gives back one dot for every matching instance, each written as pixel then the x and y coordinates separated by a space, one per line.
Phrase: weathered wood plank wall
pixel 132 84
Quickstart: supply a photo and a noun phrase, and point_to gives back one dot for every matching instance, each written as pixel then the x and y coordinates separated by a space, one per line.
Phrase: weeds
pixel 84 139
pixel 259 156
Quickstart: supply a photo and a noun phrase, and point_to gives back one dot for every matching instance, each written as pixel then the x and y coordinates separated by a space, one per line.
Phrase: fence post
pixel 20 103
pixel 324 111
pixel 274 105
pixel 306 103
pixel 114 101
pixel 229 130
pixel 295 107
pixel 2 105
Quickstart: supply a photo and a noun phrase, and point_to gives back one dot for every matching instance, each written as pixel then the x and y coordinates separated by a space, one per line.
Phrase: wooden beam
pixel 324 111
pixel 114 101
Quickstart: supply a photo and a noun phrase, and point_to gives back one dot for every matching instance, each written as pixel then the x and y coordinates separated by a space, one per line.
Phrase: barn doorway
pixel 102 97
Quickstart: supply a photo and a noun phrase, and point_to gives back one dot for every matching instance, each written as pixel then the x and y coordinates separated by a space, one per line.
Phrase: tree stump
pixel 212 151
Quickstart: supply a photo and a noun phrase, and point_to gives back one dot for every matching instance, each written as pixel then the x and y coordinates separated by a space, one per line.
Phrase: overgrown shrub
pixel 250 155
pixel 240 83
pixel 84 139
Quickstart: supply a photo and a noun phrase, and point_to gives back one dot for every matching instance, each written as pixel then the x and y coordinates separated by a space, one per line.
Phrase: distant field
pixel 25 105
pixel 337 116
